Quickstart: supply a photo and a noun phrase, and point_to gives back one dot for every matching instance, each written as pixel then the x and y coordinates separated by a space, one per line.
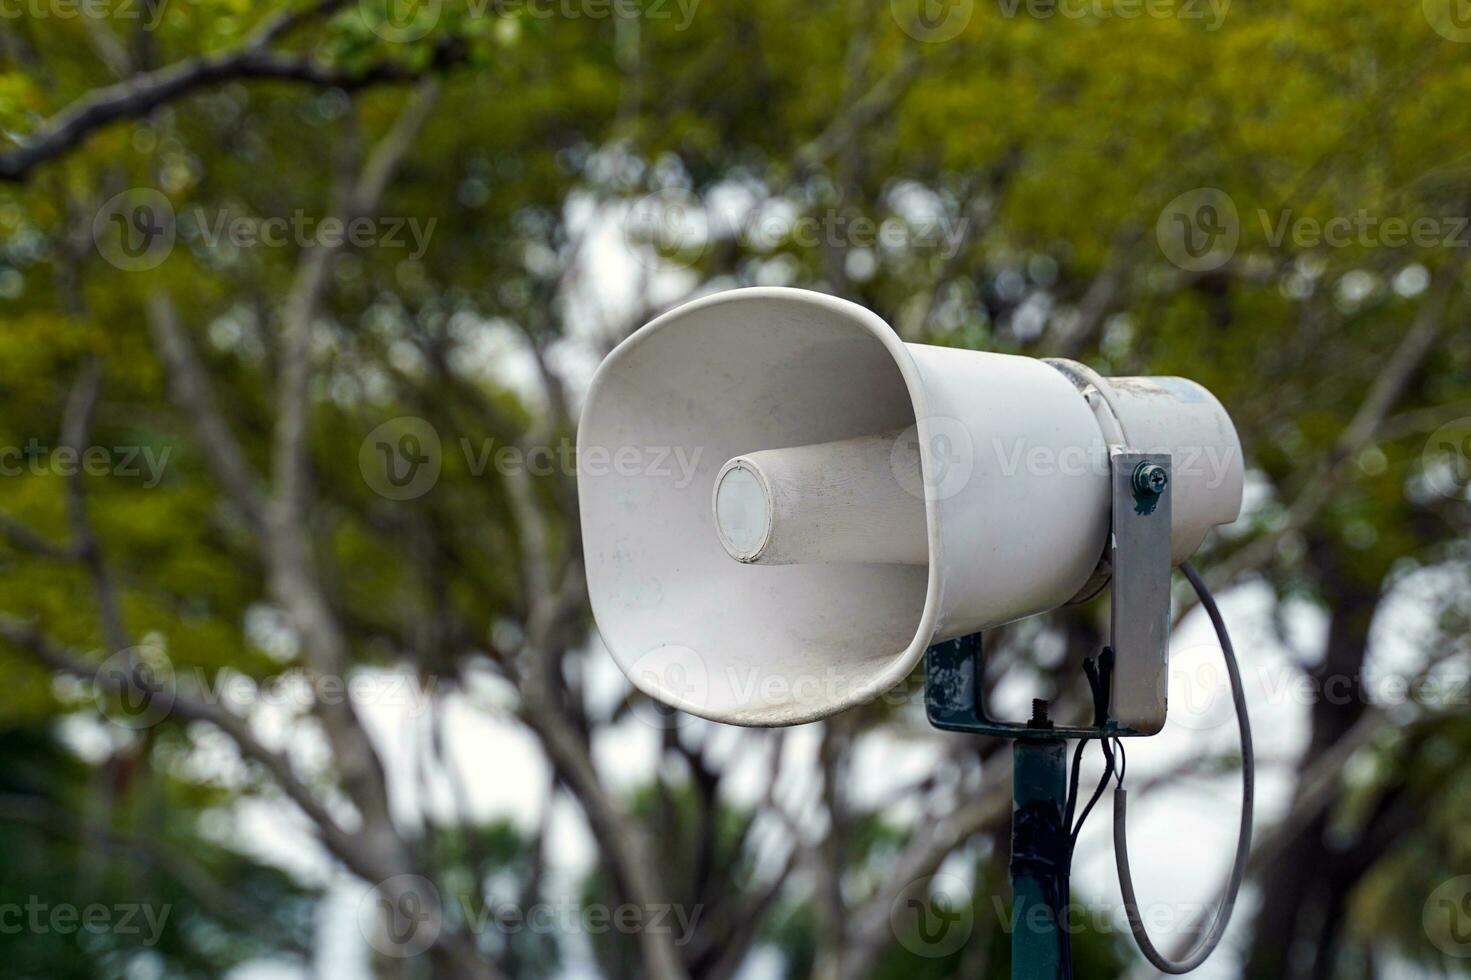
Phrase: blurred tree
pixel 1208 192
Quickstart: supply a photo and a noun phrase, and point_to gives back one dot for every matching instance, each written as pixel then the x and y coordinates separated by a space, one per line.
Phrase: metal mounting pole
pixel 1039 793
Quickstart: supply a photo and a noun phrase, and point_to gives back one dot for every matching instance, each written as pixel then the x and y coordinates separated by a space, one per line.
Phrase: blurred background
pixel 300 302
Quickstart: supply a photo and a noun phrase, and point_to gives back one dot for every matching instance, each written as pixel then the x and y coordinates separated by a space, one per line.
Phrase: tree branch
pixel 287 544
pixel 188 874
pixel 76 428
pixel 359 852
pixel 611 826
pixel 26 637
pixel 190 387
pixel 22 538
pixel 253 60
pixel 1380 399
pixel 871 932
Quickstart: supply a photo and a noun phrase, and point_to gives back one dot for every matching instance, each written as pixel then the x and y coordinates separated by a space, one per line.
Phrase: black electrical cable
pixel 1217 929
pixel 1116 765
pixel 1100 679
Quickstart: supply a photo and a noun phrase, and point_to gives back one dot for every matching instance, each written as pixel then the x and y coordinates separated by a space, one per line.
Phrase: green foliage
pixel 1053 143
pixel 143 891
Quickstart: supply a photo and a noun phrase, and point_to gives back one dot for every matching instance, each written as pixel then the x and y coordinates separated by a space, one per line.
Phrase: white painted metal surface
pixel 834 501
pixel 1180 417
pixel 1014 485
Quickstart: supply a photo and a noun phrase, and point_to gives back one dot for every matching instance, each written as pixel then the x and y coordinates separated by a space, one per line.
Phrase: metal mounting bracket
pixel 1139 555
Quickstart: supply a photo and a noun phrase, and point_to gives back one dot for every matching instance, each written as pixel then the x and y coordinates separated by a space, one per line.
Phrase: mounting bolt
pixel 1150 478
pixel 1039 717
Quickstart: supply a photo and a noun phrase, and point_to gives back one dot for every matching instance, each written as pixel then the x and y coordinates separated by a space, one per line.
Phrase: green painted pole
pixel 1039 793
